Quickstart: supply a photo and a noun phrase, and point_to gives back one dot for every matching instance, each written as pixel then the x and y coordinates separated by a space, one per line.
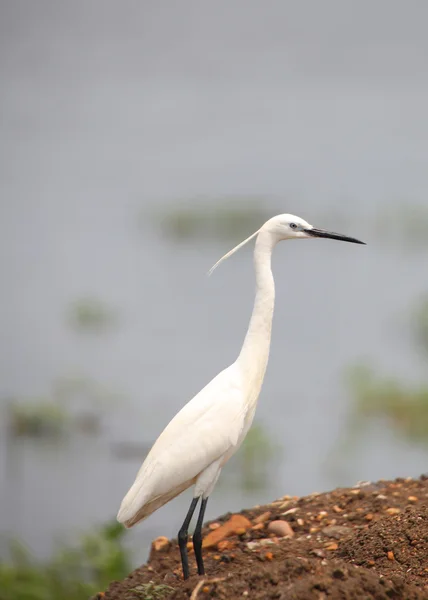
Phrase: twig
pixel 203 582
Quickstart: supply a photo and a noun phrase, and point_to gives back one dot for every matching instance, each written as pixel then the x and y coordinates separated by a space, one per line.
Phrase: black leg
pixel 197 538
pixel 182 538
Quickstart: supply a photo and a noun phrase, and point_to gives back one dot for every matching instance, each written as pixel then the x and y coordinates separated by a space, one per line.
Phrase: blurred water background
pixel 141 140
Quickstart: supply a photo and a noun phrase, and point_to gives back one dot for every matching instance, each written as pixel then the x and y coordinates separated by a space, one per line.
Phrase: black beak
pixel 322 233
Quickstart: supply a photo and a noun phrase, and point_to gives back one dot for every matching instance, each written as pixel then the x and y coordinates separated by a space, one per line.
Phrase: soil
pixel 360 543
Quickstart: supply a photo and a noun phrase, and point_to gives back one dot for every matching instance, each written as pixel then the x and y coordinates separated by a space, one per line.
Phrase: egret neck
pixel 254 354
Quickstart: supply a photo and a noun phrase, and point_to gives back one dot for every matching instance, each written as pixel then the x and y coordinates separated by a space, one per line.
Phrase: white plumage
pixel 209 429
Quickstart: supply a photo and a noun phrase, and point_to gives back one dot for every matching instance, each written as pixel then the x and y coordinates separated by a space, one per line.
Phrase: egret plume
pixel 232 251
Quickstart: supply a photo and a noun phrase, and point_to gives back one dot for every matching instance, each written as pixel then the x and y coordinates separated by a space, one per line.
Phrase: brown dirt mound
pixel 398 545
pixel 363 543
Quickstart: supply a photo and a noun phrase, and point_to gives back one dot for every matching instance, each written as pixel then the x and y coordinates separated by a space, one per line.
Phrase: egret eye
pixel 293 225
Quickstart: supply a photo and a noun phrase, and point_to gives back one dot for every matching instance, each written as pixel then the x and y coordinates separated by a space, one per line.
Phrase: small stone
pixel 262 518
pixel 369 517
pixel 290 511
pixel 336 531
pixel 253 545
pixel 332 546
pixel 237 524
pixel 206 589
pixel 213 526
pixel 245 593
pixel 321 515
pixel 258 526
pixel 189 545
pixel 381 497
pixel 300 522
pixel 337 509
pixel 281 528
pixel 225 545
pixel 314 529
pixel 318 552
pixel 371 563
pixel 269 556
pixel 412 499
pixel 390 555
pixel 393 511
pixel 160 542
pixel 268 541
pixel 216 557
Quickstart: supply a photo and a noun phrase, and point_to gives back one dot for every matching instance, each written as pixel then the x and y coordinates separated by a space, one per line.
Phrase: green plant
pixel 150 591
pixel 91 315
pixel 73 574
pixel 405 408
pixel 226 218
pixel 43 418
pixel 256 451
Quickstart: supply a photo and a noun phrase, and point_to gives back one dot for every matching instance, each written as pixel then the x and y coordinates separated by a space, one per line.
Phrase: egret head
pixel 288 227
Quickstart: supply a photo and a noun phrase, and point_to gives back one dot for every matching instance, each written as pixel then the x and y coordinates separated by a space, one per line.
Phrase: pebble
pixel 290 511
pixel 280 528
pixel 160 542
pixel 253 545
pixel 318 552
pixel 390 555
pixel 225 545
pixel 381 497
pixel 321 515
pixel 412 499
pixel 336 531
pixel 269 556
pixel 332 546
pixel 393 511
pixel 258 526
pixel 337 509
pixel 369 517
pixel 213 526
pixel 237 524
pixel 262 518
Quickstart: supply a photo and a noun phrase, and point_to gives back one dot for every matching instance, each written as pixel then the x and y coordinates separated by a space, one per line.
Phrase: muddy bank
pixel 369 541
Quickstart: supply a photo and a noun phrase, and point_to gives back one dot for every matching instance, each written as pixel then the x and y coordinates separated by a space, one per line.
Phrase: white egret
pixel 209 429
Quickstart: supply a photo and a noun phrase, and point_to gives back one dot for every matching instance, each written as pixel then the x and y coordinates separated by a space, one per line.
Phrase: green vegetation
pixel 74 403
pixel 149 591
pixel 72 574
pixel 227 218
pixel 256 451
pixel 91 315
pixel 36 419
pixel 405 408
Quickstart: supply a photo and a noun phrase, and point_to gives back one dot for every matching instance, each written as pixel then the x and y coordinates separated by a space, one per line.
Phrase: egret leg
pixel 197 538
pixel 182 538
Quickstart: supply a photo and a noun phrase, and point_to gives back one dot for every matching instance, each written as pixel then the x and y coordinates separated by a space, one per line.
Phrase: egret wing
pixel 206 428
